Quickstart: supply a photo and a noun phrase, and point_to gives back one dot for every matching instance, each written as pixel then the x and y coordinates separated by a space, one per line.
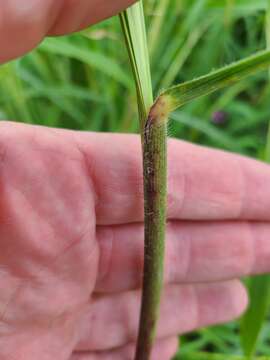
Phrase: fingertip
pixel 221 302
pixel 239 298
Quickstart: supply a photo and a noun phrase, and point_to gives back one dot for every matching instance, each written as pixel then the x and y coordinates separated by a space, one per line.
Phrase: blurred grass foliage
pixel 84 81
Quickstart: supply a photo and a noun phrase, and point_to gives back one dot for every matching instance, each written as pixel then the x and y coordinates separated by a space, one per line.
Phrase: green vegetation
pixel 85 82
pixel 207 356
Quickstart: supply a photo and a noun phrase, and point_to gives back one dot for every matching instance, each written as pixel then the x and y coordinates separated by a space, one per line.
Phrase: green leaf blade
pixel 133 25
pixel 228 75
pixel 210 356
pixel 254 318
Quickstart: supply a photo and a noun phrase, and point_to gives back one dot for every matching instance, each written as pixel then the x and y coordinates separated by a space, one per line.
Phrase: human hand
pixel 71 250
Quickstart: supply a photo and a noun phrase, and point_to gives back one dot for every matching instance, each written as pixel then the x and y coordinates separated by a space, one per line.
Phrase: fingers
pixel 204 184
pixel 164 349
pixel 183 308
pixel 193 250
pixel 27 22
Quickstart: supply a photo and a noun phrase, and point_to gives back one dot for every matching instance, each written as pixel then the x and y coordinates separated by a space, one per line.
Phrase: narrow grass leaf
pixel 208 356
pixel 241 4
pixel 179 95
pixel 259 287
pixel 253 320
pixel 133 26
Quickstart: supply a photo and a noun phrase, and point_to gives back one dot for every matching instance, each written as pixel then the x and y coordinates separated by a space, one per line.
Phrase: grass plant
pixel 153 124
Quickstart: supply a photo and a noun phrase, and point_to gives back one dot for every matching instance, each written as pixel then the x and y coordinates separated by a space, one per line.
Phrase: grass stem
pixel 154 139
pixel 155 190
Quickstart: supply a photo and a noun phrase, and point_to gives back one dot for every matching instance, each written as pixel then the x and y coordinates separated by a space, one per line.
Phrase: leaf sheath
pixel 155 185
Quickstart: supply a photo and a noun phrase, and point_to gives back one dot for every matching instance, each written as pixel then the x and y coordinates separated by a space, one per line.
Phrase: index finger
pixel 28 22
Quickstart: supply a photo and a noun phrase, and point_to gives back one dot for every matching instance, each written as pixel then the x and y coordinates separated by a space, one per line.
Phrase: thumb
pixel 23 24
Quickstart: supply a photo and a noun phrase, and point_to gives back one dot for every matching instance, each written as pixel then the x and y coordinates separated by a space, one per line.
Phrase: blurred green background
pixel 83 81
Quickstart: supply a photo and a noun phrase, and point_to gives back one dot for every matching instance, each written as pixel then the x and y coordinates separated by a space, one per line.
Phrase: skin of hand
pixel 71 230
pixel 71 224
pixel 23 24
